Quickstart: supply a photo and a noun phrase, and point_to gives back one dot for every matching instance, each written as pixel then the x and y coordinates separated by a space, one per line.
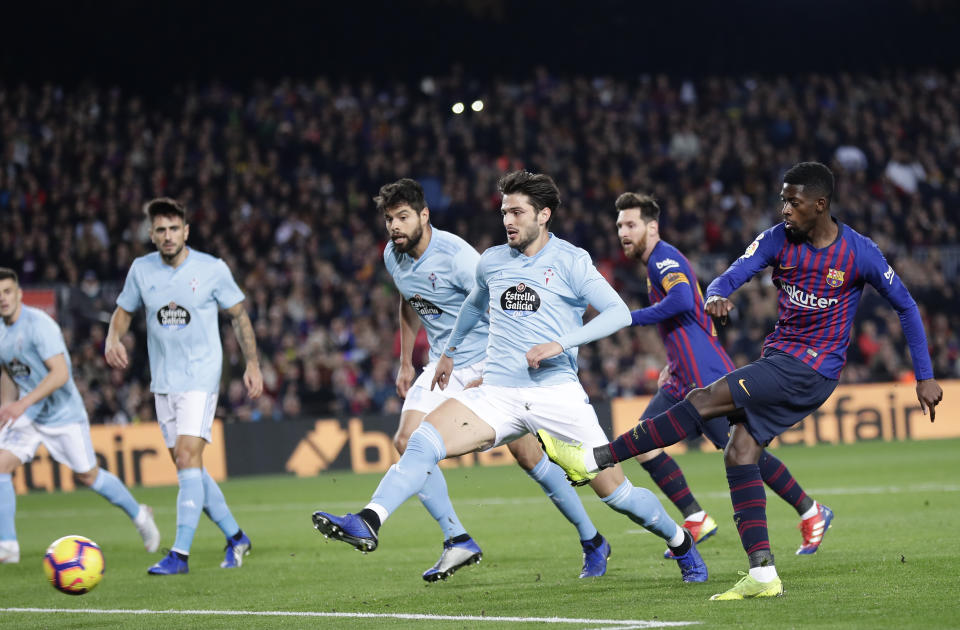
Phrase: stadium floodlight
pixel 457 108
pixel 477 105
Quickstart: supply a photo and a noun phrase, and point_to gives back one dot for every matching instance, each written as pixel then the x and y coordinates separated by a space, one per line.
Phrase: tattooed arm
pixel 242 327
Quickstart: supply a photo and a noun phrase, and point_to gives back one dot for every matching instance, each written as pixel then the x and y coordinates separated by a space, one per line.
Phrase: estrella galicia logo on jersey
pixel 520 301
pixel 834 277
pixel 173 316
pixel 425 308
pixel 16 369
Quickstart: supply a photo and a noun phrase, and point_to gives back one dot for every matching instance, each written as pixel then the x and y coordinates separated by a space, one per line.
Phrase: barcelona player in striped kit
pixel 820 268
pixel 695 358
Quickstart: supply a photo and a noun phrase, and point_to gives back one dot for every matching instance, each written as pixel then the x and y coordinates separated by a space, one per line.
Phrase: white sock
pixel 764 574
pixel 814 509
pixel 697 516
pixel 380 510
pixel 589 460
pixel 677 539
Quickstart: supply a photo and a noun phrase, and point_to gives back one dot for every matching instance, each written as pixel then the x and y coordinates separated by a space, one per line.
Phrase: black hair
pixel 813 176
pixel 649 210
pixel 165 207
pixel 539 188
pixel 403 191
pixel 6 273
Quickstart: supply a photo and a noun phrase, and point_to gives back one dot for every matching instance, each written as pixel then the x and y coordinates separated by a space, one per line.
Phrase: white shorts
pixel 420 398
pixel 185 413
pixel 563 410
pixel 67 443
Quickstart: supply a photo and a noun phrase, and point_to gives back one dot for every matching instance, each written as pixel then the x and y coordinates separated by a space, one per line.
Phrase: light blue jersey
pixel 183 330
pixel 534 300
pixel 435 285
pixel 24 347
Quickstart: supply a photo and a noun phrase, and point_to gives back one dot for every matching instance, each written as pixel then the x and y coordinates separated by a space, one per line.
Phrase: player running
pixel 695 358
pixel 820 267
pixel 40 404
pixel 536 288
pixel 434 271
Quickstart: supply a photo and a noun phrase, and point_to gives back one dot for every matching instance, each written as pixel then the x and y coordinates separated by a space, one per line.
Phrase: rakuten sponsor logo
pixel 809 301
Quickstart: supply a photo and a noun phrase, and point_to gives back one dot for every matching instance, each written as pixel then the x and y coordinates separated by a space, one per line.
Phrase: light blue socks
pixel 436 499
pixel 189 506
pixel 8 508
pixel 643 508
pixel 109 486
pixel 554 483
pixel 405 478
pixel 215 505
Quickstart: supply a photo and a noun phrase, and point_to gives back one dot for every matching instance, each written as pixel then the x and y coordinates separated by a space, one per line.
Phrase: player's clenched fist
pixel 718 306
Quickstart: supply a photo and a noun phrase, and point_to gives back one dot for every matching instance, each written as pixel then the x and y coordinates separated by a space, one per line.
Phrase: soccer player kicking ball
pixel 47 410
pixel 820 267
pixel 434 272
pixel 181 291
pixel 695 358
pixel 536 288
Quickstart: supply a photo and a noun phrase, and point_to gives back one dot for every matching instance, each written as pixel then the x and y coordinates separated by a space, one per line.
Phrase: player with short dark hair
pixel 695 358
pixel 535 288
pixel 40 404
pixel 820 267
pixel 434 271
pixel 182 290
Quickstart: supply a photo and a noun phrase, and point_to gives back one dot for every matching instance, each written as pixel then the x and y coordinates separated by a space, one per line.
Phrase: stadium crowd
pixel 279 179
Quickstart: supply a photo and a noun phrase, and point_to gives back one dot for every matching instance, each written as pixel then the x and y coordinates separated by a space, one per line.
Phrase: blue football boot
pixel 235 551
pixel 171 564
pixel 595 558
pixel 350 528
pixel 692 566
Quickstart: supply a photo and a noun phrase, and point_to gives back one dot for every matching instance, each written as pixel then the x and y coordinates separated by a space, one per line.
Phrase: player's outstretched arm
pixel 243 329
pixel 409 327
pixel 114 351
pixel 56 377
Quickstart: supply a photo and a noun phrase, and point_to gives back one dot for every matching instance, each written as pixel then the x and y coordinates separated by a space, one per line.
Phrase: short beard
pixel 522 245
pixel 169 259
pixel 795 236
pixel 412 241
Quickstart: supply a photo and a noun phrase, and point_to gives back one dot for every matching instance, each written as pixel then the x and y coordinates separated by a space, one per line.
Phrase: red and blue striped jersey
pixel 694 353
pixel 820 290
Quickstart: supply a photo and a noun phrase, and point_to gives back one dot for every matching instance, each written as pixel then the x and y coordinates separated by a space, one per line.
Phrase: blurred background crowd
pixel 279 176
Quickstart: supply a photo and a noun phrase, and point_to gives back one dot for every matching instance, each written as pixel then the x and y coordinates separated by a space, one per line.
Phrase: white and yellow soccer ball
pixel 73 564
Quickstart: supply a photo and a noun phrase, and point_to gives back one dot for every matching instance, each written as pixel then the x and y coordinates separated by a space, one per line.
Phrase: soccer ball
pixel 73 564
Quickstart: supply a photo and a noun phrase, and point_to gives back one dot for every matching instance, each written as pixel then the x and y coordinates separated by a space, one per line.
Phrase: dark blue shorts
pixel 717 430
pixel 777 391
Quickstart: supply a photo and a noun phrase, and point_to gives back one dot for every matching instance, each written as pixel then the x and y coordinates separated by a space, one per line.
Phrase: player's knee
pixel 701 398
pixel 87 478
pixel 740 453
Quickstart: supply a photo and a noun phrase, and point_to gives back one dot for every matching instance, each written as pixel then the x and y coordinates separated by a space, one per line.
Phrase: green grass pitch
pixel 889 561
